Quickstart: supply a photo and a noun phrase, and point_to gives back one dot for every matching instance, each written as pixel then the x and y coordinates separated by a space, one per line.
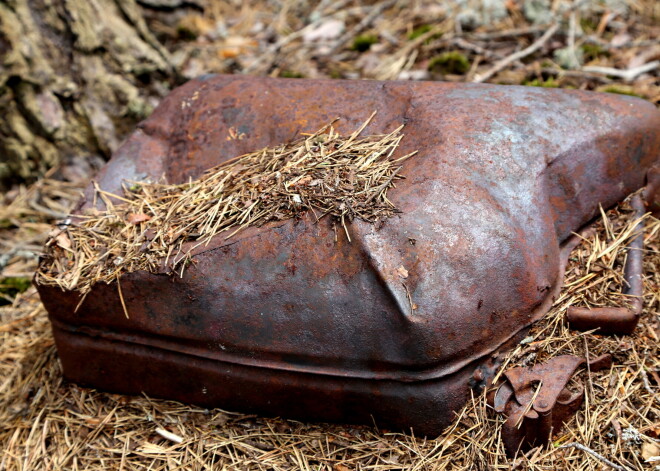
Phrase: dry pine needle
pixel 345 177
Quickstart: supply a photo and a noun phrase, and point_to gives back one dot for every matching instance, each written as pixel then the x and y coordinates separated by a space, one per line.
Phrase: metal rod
pixel 619 320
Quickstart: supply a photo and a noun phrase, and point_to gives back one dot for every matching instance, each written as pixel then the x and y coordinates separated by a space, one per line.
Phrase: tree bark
pixel 75 77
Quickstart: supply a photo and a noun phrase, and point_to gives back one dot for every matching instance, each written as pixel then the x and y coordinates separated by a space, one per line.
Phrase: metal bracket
pixel 536 401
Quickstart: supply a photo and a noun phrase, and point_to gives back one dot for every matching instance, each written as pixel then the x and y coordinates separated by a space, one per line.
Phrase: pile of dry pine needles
pixel 146 228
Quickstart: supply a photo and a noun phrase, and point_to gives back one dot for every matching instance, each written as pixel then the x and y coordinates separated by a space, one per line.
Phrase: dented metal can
pixel 285 320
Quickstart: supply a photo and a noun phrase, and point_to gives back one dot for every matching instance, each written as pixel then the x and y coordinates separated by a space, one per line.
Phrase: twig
pixel 571 38
pixel 361 26
pixel 391 66
pixel 121 298
pixel 647 384
pixel 628 75
pixel 575 73
pixel 265 61
pixel 506 34
pixel 529 456
pixel 518 55
pixel 596 455
pixel 463 44
pixel 169 435
pixel 646 43
pixel 319 10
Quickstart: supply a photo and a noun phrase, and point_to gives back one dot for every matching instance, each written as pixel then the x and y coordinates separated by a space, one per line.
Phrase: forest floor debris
pixel 613 46
pixel 604 46
pixel 47 423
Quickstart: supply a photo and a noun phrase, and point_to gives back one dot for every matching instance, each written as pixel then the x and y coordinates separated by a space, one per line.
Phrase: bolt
pixel 478 375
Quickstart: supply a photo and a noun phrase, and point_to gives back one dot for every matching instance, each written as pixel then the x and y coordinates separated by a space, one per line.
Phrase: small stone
pixel 414 75
pixel 324 31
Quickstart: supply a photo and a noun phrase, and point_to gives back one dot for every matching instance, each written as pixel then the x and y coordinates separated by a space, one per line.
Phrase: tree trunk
pixel 76 75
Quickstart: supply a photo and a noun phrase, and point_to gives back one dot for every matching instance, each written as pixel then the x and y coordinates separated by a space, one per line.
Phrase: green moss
pixel 593 51
pixel 549 83
pixel 452 62
pixel 12 286
pixel 588 25
pixel 6 224
pixel 620 90
pixel 420 30
pixel 185 33
pixel 291 74
pixel 364 42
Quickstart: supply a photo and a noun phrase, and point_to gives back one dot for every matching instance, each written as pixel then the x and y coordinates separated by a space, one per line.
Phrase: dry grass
pixel 47 423
pixel 146 228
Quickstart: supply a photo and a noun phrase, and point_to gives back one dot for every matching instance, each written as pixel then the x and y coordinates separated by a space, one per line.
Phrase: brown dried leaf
pixel 303 181
pixel 137 218
pixel 650 450
pixel 62 240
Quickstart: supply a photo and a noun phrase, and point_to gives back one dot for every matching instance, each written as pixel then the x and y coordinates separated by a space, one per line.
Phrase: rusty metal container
pixel 283 320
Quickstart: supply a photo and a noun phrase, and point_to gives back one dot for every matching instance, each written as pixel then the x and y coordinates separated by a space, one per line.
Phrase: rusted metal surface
pixel 536 401
pixel 284 320
pixel 619 320
pixel 652 190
